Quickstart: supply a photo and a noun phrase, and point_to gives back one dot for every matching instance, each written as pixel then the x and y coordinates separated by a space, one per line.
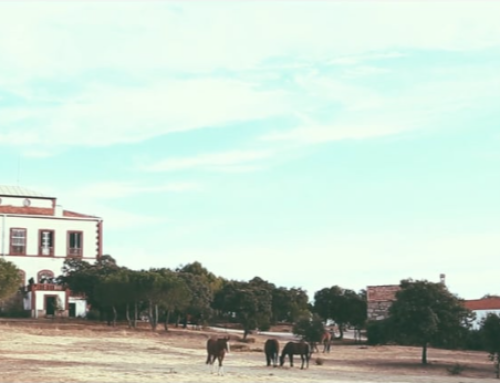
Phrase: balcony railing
pixel 45 287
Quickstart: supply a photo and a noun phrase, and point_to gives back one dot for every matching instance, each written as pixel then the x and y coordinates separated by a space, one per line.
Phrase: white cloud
pixel 235 160
pixel 106 115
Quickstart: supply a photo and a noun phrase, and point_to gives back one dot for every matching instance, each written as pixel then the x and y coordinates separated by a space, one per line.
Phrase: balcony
pixel 45 287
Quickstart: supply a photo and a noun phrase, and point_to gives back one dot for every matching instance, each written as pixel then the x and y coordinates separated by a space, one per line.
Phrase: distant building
pixel 379 299
pixel 37 235
pixel 482 307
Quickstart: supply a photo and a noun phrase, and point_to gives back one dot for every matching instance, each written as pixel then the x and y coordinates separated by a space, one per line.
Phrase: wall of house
pixel 379 299
pixel 480 315
pixel 61 226
pixel 33 201
pixel 80 306
pixel 32 263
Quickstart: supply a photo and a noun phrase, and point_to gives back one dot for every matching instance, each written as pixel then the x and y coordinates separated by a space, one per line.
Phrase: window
pixel 46 242
pixel 18 241
pixel 75 243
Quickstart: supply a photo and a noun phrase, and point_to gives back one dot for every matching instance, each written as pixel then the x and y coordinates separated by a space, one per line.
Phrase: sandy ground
pixel 46 351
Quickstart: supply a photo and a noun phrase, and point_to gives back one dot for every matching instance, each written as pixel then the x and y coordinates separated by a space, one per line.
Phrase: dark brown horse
pixel 272 350
pixel 296 348
pixel 216 349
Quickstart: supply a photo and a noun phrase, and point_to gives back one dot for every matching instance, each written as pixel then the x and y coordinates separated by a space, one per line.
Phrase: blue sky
pixel 308 143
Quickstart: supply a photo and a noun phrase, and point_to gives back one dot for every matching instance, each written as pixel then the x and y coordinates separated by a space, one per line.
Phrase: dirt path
pixel 51 352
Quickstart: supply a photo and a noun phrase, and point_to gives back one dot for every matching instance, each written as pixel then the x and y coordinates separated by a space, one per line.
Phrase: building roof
pixel 492 303
pixel 29 210
pixel 69 213
pixel 382 293
pixel 18 191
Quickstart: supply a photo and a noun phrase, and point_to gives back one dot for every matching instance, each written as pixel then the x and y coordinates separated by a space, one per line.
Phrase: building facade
pixel 37 235
pixel 482 307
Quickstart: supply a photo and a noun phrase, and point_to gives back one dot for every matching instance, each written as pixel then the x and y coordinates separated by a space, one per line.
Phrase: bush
pixel 319 361
pixel 378 332
pixel 93 314
pixel 456 369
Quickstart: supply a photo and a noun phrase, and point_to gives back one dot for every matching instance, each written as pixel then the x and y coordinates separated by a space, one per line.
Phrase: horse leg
pixel 220 371
pixel 268 359
pixel 291 359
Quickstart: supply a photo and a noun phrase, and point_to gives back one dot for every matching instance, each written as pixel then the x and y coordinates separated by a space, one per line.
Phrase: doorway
pixel 50 305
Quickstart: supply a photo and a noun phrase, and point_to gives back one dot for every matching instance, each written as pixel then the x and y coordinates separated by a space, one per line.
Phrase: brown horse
pixel 296 348
pixel 217 348
pixel 326 340
pixel 272 350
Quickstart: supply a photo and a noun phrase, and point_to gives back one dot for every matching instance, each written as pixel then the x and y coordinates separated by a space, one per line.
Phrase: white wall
pixel 40 298
pixel 80 306
pixel 480 315
pixel 34 202
pixel 60 226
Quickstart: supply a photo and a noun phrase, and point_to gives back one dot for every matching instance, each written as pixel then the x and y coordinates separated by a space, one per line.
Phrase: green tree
pixel 289 304
pixel 83 277
pixel 9 279
pixel 340 305
pixel 490 331
pixel 250 302
pixel 309 329
pixel 426 311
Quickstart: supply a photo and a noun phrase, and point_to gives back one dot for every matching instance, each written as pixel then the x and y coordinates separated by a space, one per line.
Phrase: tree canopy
pixel 490 331
pixel 427 312
pixel 9 279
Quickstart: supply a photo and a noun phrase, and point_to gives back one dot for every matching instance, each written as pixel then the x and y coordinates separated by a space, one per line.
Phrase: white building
pixel 482 307
pixel 37 235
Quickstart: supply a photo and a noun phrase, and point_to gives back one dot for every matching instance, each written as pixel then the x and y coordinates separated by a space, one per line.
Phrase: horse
pixel 272 349
pixel 217 348
pixel 296 348
pixel 325 340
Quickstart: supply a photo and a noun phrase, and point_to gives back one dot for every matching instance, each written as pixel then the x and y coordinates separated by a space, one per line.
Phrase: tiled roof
pixel 18 191
pixel 67 213
pixel 483 304
pixel 26 210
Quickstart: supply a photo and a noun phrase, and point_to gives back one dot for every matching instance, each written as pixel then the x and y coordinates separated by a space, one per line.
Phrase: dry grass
pixel 47 351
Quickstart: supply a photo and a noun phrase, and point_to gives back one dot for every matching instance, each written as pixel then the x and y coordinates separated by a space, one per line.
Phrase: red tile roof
pixel 68 213
pixel 26 210
pixel 483 304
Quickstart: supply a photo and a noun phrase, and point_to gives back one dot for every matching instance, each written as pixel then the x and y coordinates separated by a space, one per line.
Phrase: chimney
pixel 442 279
pixel 58 211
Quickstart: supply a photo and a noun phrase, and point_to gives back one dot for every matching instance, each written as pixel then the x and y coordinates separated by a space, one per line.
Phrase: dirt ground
pixel 52 351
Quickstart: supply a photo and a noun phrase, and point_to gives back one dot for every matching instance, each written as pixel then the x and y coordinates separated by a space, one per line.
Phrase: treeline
pixel 193 294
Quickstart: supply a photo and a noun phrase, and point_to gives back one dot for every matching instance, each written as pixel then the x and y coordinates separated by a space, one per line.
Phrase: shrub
pixel 378 332
pixel 456 369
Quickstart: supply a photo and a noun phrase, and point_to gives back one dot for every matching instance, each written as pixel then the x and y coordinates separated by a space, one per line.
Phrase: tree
pixel 83 277
pixel 490 331
pixel 340 305
pixel 425 311
pixel 289 304
pixel 249 301
pixel 9 279
pixel 309 329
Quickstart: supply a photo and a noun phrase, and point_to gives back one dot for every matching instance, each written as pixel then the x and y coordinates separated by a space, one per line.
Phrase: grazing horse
pixel 296 348
pixel 217 348
pixel 272 350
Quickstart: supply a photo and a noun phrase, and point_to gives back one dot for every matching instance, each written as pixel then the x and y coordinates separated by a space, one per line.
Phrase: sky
pixel 311 144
